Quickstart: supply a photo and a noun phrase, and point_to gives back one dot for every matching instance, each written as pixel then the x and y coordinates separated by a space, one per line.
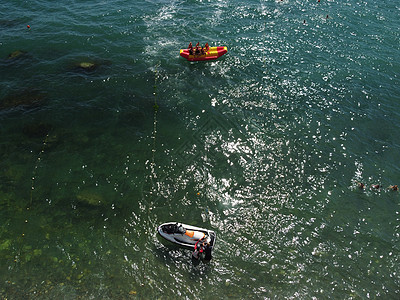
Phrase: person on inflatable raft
pixel 202 249
pixel 197 50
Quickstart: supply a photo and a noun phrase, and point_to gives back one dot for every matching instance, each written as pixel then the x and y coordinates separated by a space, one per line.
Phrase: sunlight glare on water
pixel 105 133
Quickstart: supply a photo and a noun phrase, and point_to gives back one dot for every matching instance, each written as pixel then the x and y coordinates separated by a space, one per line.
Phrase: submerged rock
pixel 91 198
pixel 37 252
pixel 16 54
pixel 87 65
pixel 27 98
pixel 5 245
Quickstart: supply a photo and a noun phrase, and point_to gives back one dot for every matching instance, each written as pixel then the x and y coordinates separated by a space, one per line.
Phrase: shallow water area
pixel 105 133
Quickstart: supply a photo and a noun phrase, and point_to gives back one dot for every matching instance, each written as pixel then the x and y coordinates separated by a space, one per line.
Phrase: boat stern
pixel 184 53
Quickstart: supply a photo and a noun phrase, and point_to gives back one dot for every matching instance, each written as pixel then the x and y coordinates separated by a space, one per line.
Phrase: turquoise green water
pixel 265 146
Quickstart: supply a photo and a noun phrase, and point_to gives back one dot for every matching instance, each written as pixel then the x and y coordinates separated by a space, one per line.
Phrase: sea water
pixel 106 132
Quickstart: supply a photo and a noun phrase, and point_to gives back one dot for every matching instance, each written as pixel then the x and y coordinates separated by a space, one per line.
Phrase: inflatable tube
pixel 212 54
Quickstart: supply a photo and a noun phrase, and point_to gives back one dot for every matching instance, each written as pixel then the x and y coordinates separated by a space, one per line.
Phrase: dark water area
pixel 105 133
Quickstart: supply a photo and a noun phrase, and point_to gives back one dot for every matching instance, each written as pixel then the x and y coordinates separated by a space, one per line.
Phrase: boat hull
pixel 186 235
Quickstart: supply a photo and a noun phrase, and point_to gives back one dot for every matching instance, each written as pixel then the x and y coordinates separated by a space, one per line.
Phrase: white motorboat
pixel 186 235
